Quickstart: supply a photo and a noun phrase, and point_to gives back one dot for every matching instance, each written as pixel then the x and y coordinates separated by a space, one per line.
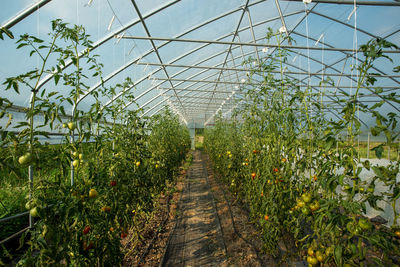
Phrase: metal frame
pixel 348 2
pixel 188 53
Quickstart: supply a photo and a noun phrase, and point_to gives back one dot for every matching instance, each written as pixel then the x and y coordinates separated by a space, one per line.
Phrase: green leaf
pixel 378 151
pixel 15 86
pixel 338 255
pixel 367 164
pixel 21 45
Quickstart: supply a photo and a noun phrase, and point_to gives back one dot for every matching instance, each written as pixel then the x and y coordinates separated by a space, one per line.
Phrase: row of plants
pixel 280 155
pixel 102 180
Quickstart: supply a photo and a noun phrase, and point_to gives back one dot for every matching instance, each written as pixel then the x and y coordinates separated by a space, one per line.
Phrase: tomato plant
pixel 308 180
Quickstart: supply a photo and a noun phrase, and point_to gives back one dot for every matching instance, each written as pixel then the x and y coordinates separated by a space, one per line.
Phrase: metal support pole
pixel 253 35
pixel 30 192
pixel 368 145
pixel 71 138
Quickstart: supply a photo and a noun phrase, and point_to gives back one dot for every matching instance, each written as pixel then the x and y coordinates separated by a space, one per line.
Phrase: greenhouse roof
pixel 189 54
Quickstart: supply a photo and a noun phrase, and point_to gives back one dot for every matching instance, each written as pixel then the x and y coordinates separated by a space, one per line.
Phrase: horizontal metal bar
pixel 14 216
pixel 197 81
pixel 25 13
pixel 245 44
pixel 14 235
pixel 255 70
pixel 358 3
pixel 200 91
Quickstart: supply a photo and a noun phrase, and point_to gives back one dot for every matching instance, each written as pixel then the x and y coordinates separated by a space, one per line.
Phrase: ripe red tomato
pixel 86 230
pixel 253 175
pixel 276 170
pixel 87 246
pixel 113 183
pixel 106 209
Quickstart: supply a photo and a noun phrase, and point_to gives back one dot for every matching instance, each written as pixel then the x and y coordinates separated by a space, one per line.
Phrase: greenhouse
pixel 200 133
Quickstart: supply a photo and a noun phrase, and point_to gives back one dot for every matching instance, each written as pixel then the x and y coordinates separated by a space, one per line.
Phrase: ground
pixel 208 227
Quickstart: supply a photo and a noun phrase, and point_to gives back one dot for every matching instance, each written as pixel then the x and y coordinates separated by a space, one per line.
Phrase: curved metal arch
pixel 194 75
pixel 202 46
pixel 155 49
pixel 303 81
pixel 347 76
pixel 348 54
pixel 330 66
pixel 48 77
pixel 153 87
pixel 178 36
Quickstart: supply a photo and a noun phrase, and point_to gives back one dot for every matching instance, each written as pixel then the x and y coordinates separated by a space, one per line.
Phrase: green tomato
pixel 347 187
pixel 305 211
pixel 364 224
pixel 300 203
pixel 34 212
pixel 75 163
pixel 329 251
pixel 320 256
pixel 306 197
pixel 312 260
pixel 28 205
pixel 71 125
pixel 25 159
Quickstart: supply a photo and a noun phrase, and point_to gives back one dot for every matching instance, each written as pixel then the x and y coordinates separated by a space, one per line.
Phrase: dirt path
pixel 197 239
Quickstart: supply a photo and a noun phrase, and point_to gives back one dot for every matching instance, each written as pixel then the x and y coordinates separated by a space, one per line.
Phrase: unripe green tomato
pixel 305 211
pixel 75 154
pixel 71 125
pixel 306 197
pixel 364 224
pixel 301 203
pixel 34 212
pixel 25 159
pixel 75 163
pixel 28 205
pixel 312 260
pixel 320 256
pixel 329 251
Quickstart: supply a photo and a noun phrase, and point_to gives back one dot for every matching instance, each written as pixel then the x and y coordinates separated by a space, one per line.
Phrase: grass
pixel 362 148
pixel 198 142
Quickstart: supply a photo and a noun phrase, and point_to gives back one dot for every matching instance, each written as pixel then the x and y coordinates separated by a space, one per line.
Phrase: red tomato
pixel 86 230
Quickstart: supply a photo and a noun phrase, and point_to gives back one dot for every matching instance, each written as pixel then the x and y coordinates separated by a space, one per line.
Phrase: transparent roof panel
pixel 206 65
